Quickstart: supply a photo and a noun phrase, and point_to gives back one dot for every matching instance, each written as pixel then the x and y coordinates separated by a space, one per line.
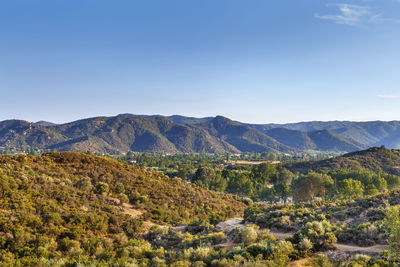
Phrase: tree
pixel 84 184
pixel 239 182
pixel 283 176
pixel 264 172
pixel 311 185
pixel 207 177
pixel 349 188
pixel 393 223
pixel 102 188
pixel 379 182
pixel 268 194
pixel 282 190
pixel 371 190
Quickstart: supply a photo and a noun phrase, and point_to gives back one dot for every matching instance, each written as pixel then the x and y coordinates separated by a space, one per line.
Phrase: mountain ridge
pixel 180 134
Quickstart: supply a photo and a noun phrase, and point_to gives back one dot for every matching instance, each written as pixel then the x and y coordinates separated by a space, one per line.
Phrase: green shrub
pixel 248 235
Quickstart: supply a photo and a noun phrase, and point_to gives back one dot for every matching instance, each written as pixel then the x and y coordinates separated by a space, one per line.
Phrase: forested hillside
pixel 175 134
pixel 375 159
pixel 369 133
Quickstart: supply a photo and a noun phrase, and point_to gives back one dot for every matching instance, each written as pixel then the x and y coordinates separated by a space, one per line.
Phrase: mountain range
pixel 174 134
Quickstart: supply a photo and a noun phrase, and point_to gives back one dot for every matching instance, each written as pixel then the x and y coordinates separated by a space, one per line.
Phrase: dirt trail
pixel 226 227
pixel 127 208
pixel 130 210
pixel 231 224
pixel 281 235
pixel 341 247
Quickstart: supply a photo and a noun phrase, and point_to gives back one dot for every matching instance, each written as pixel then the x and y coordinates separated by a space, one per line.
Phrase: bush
pixel 322 261
pixel 263 248
pixel 319 233
pixel 248 235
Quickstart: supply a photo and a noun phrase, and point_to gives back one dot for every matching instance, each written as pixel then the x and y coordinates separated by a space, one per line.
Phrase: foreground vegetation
pixel 76 209
pixel 69 205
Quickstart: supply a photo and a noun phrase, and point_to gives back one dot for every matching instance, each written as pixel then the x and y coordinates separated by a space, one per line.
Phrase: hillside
pixel 112 134
pixel 20 134
pixel 179 134
pixel 139 133
pixel 375 159
pixel 75 204
pixel 368 133
pixel 323 140
pixel 45 123
pixel 189 120
pixel 357 221
pixel 66 172
pixel 243 137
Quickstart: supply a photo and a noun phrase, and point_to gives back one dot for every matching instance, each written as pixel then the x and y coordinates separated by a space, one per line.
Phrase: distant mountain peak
pixel 45 123
pixel 222 120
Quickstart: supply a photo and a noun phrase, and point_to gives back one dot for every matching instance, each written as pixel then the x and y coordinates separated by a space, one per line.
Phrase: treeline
pixel 342 184
pixel 257 182
pixel 268 182
pixel 189 162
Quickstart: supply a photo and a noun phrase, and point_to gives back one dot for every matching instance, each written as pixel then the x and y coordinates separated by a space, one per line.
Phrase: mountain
pixel 375 159
pixel 20 134
pixel 243 137
pixel 316 140
pixel 370 133
pixel 189 120
pixel 45 123
pixel 139 133
pixel 179 134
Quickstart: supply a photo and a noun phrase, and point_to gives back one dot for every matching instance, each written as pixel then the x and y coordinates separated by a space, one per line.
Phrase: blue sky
pixel 251 60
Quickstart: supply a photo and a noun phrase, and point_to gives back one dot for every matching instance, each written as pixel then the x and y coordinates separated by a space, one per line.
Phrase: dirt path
pixel 179 228
pixel 127 208
pixel 341 247
pixel 231 224
pixel 226 227
pixel 281 235
pixel 130 210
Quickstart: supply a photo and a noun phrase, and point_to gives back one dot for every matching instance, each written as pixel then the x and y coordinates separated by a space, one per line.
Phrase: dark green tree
pixel 311 185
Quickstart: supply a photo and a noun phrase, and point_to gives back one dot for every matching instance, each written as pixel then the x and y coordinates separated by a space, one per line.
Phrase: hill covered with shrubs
pixel 62 206
pixel 376 159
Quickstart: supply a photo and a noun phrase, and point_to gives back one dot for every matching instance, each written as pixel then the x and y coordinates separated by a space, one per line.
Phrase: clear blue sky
pixel 251 60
